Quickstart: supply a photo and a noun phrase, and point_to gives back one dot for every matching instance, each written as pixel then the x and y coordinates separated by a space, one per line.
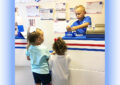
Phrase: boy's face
pixel 80 13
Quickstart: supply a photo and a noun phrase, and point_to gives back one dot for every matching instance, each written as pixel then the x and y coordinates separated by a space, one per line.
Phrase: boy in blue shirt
pixel 38 55
pixel 82 23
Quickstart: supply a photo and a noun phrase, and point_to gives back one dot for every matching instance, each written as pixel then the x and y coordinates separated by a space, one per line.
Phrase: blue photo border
pixel 7 42
pixel 112 40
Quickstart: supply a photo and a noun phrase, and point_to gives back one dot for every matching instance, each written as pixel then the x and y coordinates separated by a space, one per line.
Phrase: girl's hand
pixel 53 53
pixel 28 58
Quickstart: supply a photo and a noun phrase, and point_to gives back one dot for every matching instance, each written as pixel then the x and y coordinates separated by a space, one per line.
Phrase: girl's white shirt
pixel 59 65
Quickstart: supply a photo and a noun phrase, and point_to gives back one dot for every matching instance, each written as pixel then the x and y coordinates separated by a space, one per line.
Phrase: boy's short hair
pixel 80 6
pixel 32 37
pixel 59 46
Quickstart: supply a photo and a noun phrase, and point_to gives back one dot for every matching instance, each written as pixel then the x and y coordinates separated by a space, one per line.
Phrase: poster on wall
pixel 26 1
pixel 37 0
pixel 46 14
pixel 60 6
pixel 60 15
pixel 60 26
pixel 47 0
pixel 94 7
pixel 60 11
pixel 31 22
pixel 32 11
pixel 72 13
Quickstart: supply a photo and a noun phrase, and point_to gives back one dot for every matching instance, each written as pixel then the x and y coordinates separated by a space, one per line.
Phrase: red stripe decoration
pixel 97 45
pixel 20 43
pixel 69 44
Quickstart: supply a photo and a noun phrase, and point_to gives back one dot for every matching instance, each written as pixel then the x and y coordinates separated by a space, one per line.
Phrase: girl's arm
pixel 50 62
pixel 28 58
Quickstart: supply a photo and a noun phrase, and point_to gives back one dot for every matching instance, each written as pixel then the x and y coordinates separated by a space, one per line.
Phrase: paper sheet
pixel 72 13
pixel 94 7
pixel 32 11
pixel 60 26
pixel 60 10
pixel 60 15
pixel 46 14
pixel 47 0
pixel 60 6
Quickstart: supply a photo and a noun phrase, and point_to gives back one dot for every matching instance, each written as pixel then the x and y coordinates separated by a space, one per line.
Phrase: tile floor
pixel 23 76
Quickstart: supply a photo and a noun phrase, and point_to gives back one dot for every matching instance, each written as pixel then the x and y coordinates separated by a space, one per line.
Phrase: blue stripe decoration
pixel 20 47
pixel 95 36
pixel 82 38
pixel 85 49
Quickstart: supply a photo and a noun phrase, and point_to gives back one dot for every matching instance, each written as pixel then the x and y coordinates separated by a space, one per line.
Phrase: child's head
pixel 80 12
pixel 36 38
pixel 38 30
pixel 59 46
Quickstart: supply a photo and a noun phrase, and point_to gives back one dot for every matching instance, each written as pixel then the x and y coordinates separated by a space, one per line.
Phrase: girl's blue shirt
pixel 39 58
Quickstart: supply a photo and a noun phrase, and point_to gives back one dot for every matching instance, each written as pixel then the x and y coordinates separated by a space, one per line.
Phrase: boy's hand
pixel 68 28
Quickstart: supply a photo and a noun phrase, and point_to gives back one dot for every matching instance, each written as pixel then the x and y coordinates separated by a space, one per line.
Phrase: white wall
pixel 47 25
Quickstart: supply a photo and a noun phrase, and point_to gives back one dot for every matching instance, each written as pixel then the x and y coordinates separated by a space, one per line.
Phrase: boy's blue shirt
pixel 78 22
pixel 38 57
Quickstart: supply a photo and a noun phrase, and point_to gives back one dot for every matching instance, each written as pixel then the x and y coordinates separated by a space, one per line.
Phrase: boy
pixel 38 55
pixel 82 23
